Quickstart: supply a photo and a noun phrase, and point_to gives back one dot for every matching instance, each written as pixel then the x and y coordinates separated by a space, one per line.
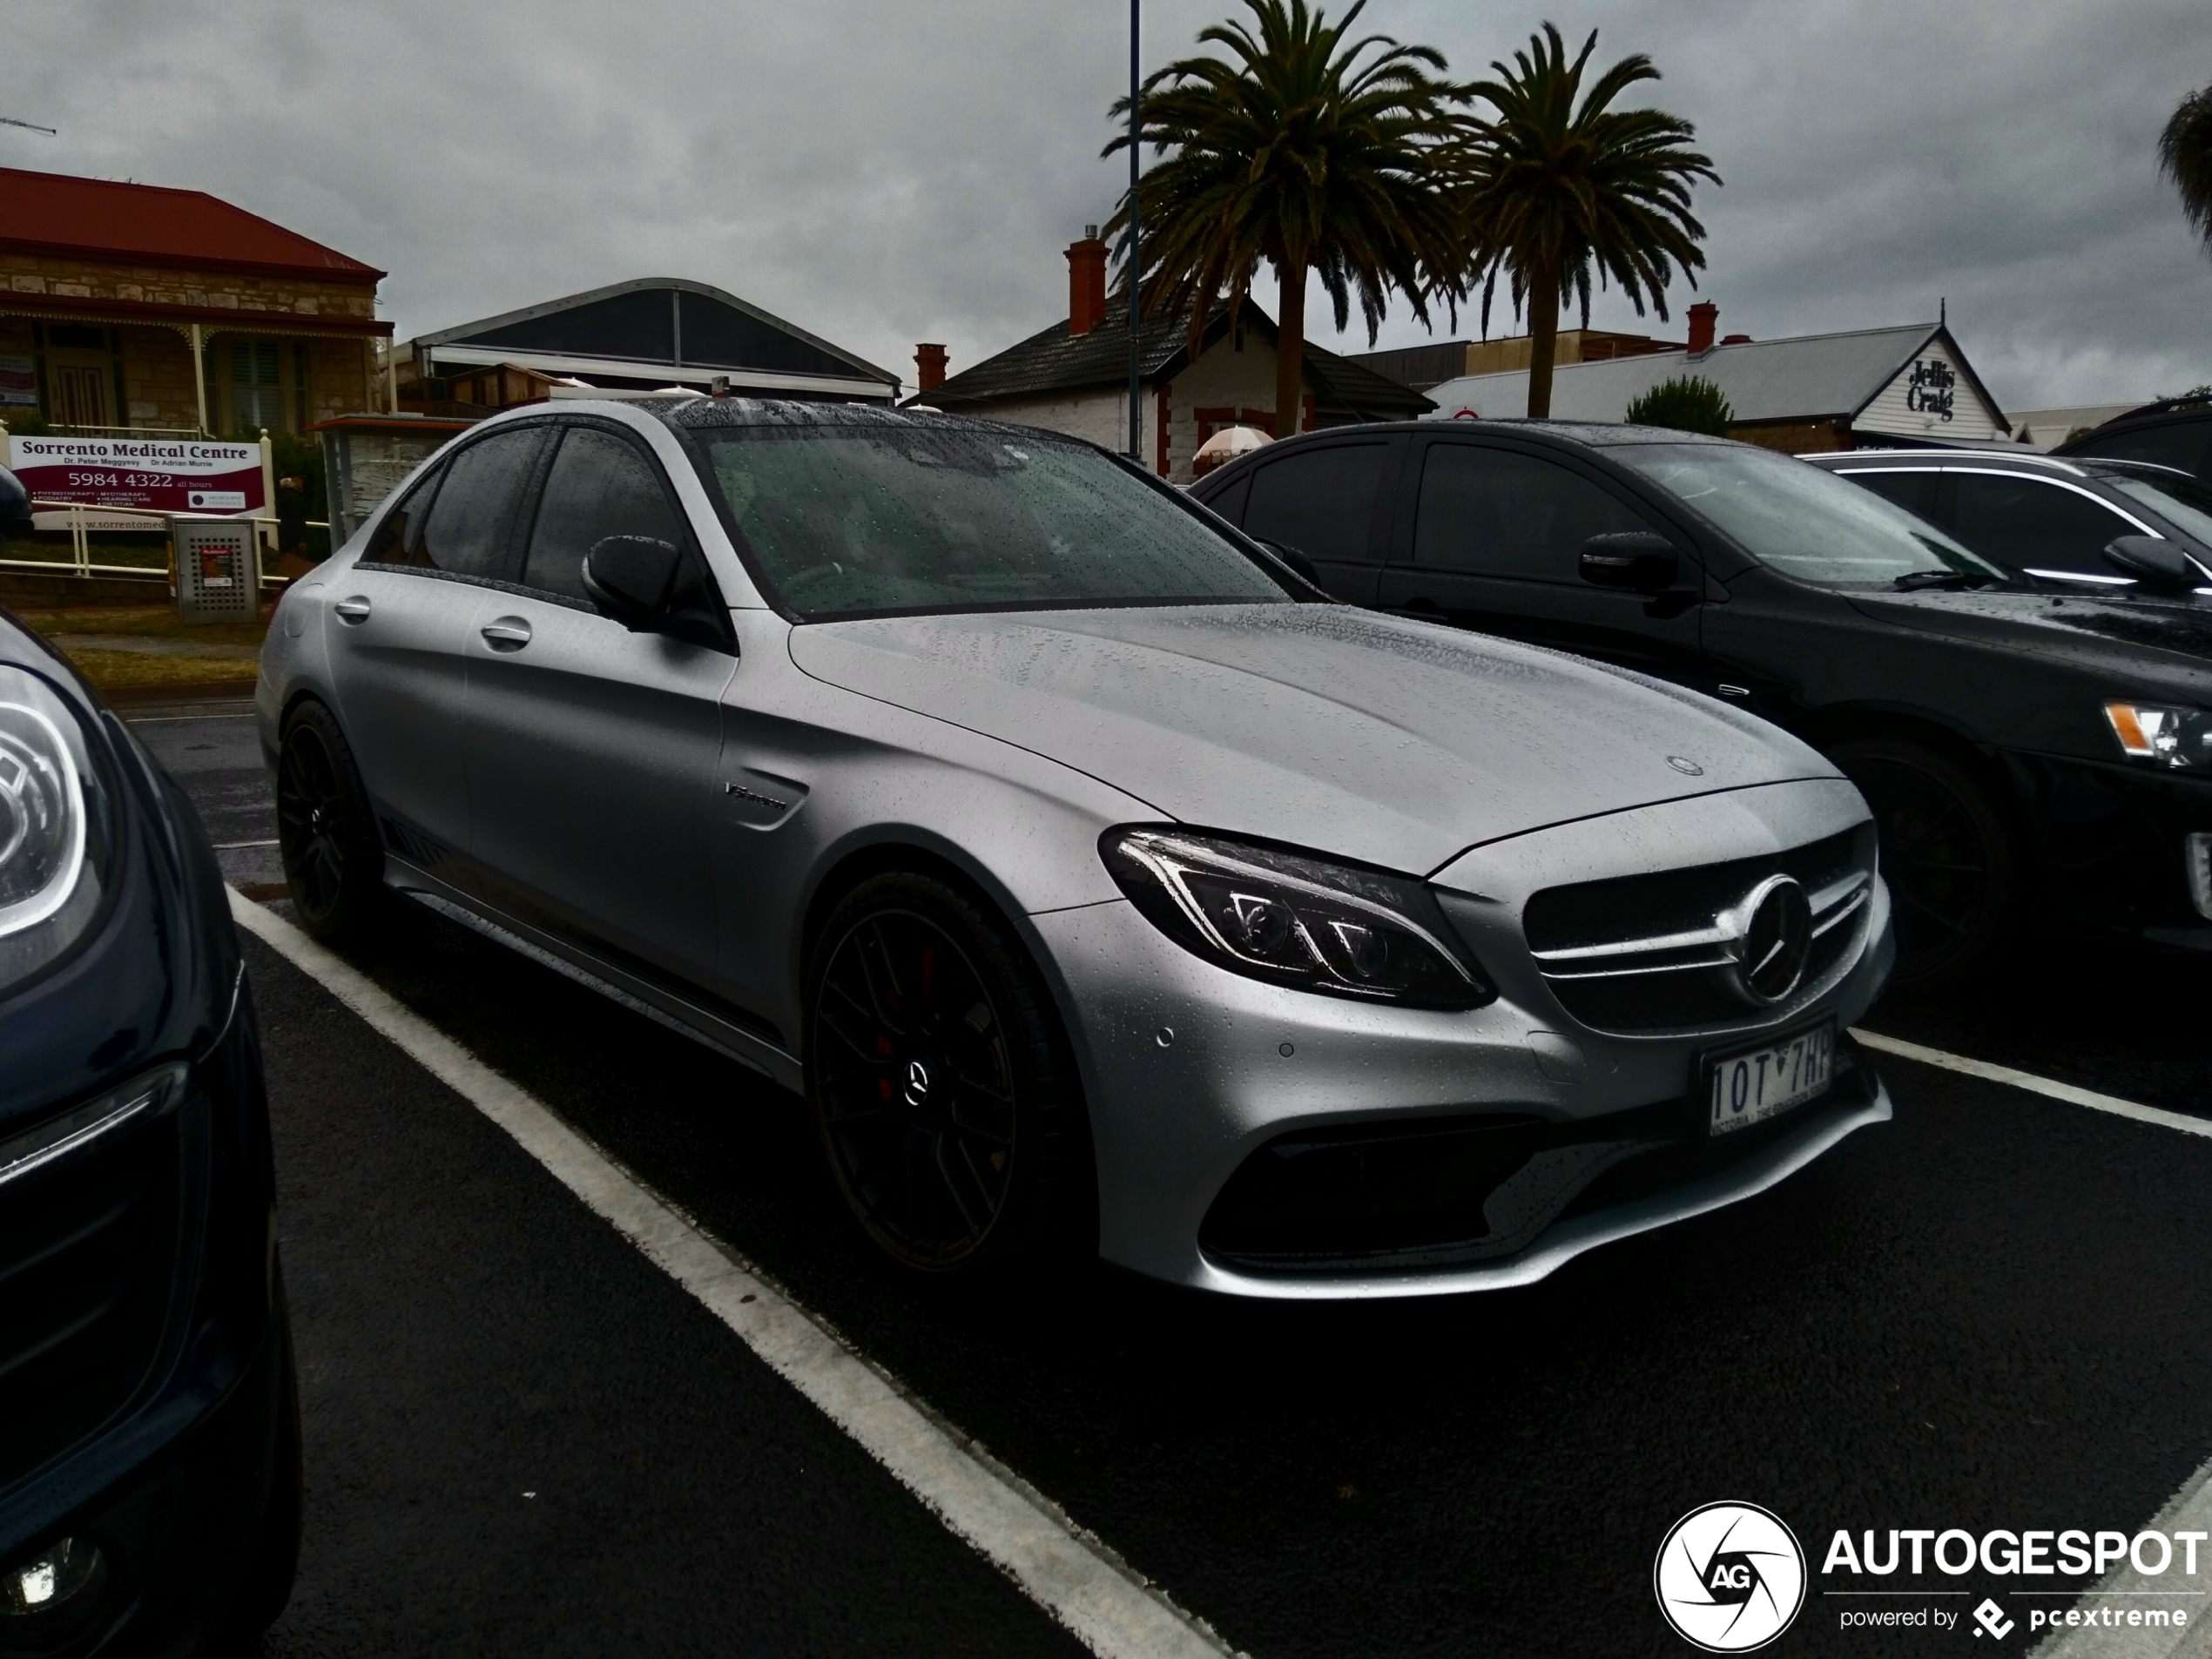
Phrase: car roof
pixel 706 414
pixel 1596 434
pixel 2071 466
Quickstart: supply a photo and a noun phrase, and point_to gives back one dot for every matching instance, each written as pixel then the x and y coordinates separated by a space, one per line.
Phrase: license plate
pixel 1751 1087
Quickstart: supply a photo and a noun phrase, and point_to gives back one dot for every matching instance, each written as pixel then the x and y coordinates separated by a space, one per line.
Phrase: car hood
pixel 1393 742
pixel 2142 645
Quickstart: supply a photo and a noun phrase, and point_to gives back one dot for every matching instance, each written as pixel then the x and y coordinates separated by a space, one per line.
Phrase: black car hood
pixel 2141 645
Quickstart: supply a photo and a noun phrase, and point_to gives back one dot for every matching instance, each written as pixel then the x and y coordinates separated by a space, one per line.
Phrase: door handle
pixel 506 633
pixel 352 609
pixel 1421 603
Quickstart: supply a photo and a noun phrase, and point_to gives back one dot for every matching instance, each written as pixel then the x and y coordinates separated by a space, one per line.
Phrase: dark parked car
pixel 2028 755
pixel 2176 433
pixel 149 1433
pixel 2070 526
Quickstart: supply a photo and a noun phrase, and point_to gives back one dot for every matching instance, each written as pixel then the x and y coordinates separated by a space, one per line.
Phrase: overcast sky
pixel 884 172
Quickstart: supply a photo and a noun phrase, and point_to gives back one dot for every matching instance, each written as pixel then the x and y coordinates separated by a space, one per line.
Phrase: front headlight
pixel 1296 920
pixel 53 827
pixel 2162 735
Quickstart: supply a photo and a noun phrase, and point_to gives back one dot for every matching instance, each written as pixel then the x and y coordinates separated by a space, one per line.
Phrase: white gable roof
pixel 1857 376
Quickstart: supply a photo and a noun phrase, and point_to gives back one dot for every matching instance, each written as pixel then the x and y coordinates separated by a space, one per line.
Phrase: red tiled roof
pixel 51 213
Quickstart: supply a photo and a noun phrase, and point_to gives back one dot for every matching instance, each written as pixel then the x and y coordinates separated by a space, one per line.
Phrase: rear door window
pixel 1499 513
pixel 2034 525
pixel 601 485
pixel 1320 502
pixel 471 522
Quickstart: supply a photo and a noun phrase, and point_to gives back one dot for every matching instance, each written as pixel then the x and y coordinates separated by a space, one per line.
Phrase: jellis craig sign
pixel 1933 389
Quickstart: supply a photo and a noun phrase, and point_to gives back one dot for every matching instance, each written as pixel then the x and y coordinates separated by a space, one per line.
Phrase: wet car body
pixel 149 1465
pixel 2046 520
pixel 1999 693
pixel 679 833
pixel 2175 433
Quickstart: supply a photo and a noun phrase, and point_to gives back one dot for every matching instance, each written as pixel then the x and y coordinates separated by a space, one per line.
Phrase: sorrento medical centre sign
pixel 145 474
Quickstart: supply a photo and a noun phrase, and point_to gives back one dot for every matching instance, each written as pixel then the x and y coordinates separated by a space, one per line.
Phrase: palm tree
pixel 1306 152
pixel 2185 156
pixel 1553 189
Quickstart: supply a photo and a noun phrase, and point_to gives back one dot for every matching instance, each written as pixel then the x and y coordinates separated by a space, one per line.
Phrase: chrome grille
pixel 1667 951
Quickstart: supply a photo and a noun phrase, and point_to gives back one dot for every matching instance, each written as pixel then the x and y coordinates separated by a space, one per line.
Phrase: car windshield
pixel 2183 502
pixel 1805 523
pixel 880 520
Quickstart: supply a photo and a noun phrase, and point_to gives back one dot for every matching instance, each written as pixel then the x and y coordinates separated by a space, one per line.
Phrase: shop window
pixel 256 384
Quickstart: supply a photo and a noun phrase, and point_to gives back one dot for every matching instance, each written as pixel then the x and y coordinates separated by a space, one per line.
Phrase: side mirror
pixel 630 578
pixel 1292 557
pixel 2159 566
pixel 1637 560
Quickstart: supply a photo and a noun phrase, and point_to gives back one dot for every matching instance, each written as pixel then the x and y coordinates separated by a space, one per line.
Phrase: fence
pixel 80 543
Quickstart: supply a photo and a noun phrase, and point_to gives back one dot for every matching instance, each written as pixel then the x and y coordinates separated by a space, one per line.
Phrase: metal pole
pixel 1136 259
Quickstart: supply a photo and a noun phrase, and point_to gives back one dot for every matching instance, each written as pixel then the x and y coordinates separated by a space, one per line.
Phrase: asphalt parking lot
pixel 1995 1311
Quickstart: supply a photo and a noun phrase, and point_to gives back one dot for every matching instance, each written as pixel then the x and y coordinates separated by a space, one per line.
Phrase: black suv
pixel 2177 434
pixel 149 1429
pixel 2071 526
pixel 2026 754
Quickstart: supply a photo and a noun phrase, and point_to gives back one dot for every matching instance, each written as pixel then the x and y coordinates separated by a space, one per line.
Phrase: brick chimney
pixel 929 368
pixel 1086 282
pixel 1704 317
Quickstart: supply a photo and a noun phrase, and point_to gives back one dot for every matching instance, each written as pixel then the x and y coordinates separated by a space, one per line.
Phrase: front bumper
pixel 2107 838
pixel 172 1485
pixel 1191 1069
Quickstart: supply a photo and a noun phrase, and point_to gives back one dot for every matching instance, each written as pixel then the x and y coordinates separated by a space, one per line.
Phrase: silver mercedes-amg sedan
pixel 1102 885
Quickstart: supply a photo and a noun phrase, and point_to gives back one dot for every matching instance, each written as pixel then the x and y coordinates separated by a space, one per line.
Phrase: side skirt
pixel 656 1003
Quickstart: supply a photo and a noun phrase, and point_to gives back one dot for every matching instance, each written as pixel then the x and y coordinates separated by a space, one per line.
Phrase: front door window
pixel 2041 528
pixel 1492 512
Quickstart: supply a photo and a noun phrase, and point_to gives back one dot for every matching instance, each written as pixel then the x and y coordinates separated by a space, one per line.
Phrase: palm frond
pixel 1559 186
pixel 1297 146
pixel 2185 157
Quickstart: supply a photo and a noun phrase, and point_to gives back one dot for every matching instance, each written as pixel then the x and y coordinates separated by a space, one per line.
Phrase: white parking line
pixel 2192 1506
pixel 2034 1085
pixel 2189 1509
pixel 1111 1608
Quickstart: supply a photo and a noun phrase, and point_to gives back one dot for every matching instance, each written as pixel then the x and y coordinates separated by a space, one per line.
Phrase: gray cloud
pixel 887 171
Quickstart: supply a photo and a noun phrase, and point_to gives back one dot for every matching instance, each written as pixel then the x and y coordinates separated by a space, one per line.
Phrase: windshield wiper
pixel 1914 581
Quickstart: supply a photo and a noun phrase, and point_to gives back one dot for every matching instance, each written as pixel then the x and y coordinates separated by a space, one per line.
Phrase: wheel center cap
pixel 917 1085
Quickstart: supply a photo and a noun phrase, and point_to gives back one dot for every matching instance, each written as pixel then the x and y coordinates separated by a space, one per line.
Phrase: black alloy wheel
pixel 326 832
pixel 939 1084
pixel 1946 855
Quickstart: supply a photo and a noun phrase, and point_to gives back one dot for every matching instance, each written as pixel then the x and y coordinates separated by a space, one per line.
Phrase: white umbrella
pixel 1229 442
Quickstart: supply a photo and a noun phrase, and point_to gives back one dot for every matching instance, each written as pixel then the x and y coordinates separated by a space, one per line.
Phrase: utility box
pixel 219 568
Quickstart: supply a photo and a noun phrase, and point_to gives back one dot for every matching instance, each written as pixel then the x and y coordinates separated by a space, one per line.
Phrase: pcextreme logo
pixel 1730 1578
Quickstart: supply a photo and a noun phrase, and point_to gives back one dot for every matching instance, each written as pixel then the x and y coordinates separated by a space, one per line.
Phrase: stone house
pixel 134 306
pixel 1073 377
